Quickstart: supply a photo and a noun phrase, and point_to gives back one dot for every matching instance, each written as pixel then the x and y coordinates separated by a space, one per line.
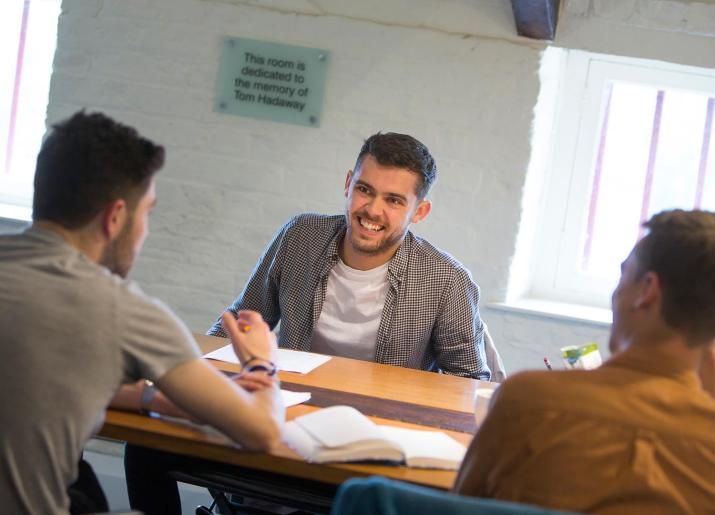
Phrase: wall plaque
pixel 271 81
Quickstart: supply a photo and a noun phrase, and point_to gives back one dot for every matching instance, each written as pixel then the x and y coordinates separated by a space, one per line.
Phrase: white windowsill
pixel 15 213
pixel 600 317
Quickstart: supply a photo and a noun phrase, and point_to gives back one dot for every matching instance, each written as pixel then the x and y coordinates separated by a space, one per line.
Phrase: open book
pixel 342 433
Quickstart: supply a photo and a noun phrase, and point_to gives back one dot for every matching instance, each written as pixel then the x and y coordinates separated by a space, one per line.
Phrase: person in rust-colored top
pixel 636 435
pixel 707 371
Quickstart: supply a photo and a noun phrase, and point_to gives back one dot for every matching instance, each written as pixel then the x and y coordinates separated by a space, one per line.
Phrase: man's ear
pixel 348 178
pixel 423 209
pixel 649 290
pixel 113 218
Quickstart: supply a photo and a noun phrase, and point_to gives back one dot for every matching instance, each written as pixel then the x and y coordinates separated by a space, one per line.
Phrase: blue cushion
pixel 380 496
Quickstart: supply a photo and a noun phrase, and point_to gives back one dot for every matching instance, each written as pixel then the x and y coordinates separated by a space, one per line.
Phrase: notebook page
pixel 294 398
pixel 339 425
pixel 425 444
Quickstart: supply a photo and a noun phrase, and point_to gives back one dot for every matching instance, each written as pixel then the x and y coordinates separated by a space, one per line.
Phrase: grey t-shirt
pixel 70 334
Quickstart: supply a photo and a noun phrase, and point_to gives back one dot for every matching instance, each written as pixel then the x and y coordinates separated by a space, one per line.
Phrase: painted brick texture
pixel 452 74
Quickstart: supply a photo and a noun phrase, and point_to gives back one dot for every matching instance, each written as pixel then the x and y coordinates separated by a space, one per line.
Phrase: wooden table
pixel 423 400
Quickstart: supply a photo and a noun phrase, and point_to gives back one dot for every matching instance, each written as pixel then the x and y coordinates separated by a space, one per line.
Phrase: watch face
pixel 147 396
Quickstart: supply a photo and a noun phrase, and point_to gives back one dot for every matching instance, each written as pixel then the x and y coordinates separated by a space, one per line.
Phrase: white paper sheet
pixel 294 398
pixel 224 354
pixel 288 360
pixel 302 362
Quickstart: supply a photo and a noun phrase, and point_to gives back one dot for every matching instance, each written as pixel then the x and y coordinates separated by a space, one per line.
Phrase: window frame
pixel 564 209
pixel 20 110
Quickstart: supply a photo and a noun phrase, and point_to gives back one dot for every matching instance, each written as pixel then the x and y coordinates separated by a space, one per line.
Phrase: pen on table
pixel 547 363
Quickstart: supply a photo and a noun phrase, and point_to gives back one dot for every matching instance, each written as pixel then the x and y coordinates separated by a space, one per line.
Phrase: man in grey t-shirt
pixel 73 329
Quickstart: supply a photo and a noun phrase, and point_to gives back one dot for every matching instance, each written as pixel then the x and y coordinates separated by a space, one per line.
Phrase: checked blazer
pixel 430 320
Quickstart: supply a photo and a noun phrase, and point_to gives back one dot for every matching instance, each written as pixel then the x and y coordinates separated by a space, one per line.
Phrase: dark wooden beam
pixel 536 18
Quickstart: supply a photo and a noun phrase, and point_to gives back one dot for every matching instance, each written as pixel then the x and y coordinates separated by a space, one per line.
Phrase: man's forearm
pixel 129 398
pixel 272 400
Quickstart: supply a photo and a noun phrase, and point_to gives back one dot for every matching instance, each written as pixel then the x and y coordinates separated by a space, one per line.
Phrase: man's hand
pixel 253 381
pixel 249 381
pixel 250 336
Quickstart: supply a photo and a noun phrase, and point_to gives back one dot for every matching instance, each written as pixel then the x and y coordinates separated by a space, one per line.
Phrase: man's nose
pixel 374 206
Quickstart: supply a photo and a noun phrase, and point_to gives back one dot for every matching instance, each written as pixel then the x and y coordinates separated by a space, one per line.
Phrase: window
pixel 28 32
pixel 631 138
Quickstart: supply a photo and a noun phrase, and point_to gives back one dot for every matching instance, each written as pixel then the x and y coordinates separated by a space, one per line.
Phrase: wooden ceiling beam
pixel 536 19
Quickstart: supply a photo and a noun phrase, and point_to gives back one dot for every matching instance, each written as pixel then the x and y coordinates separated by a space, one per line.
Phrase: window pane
pixel 35 86
pixel 708 194
pixel 27 55
pixel 618 185
pixel 650 157
pixel 10 23
pixel 632 137
pixel 675 175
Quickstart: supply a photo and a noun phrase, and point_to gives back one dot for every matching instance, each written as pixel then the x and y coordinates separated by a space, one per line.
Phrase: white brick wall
pixel 679 31
pixel 451 73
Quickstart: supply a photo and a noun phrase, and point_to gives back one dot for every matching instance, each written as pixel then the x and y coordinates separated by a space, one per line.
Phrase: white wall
pixel 450 72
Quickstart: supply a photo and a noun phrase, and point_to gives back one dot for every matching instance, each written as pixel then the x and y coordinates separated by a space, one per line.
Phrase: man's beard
pixel 118 257
pixel 375 247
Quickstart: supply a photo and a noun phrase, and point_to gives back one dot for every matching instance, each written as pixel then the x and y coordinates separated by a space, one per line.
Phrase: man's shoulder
pixel 142 313
pixel 425 254
pixel 131 292
pixel 13 250
pixel 312 229
pixel 309 223
pixel 590 392
pixel 128 297
pixel 32 243
pixel 532 380
pixel 541 389
pixel 11 239
pixel 125 295
pixel 609 395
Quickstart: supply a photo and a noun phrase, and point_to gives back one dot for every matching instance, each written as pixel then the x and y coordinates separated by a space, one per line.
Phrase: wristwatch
pixel 147 397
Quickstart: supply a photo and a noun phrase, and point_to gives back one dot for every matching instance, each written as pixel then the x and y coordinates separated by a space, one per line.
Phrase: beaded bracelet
pixel 264 365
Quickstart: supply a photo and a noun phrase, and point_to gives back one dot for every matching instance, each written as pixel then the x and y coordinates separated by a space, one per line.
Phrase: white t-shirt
pixel 351 312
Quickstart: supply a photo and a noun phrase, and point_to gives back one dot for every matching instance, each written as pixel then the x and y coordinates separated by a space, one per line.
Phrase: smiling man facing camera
pixel 361 285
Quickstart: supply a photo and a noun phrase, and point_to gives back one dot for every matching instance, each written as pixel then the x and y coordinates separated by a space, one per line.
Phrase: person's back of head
pixel 88 161
pixel 680 249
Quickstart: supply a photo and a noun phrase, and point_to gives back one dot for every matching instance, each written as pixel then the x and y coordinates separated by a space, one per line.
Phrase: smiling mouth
pixel 369 225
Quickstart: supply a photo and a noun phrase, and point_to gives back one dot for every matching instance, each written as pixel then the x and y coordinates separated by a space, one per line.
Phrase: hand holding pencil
pixel 250 335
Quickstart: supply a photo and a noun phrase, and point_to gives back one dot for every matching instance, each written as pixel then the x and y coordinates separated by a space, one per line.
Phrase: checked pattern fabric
pixel 430 320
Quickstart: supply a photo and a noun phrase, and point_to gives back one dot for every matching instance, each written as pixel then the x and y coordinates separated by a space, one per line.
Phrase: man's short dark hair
pixel 680 249
pixel 87 162
pixel 401 151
